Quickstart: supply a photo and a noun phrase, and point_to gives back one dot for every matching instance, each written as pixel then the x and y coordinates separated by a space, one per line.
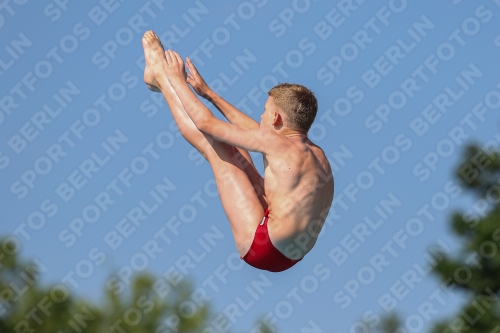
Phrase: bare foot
pixel 155 59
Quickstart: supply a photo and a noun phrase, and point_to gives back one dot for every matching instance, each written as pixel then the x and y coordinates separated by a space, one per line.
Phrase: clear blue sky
pixel 84 144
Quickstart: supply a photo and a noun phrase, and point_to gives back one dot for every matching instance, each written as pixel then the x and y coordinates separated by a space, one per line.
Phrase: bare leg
pixel 186 126
pixel 234 172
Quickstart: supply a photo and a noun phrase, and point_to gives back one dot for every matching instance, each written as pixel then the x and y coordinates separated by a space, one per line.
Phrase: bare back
pixel 298 184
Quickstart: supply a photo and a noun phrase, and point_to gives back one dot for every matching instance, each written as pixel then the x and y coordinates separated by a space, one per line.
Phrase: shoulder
pixel 275 143
pixel 322 163
pixel 319 153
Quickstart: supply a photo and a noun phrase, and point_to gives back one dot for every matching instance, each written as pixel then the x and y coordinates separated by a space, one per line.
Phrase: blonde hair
pixel 297 102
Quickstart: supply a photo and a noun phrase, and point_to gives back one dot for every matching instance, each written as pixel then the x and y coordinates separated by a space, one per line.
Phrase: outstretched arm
pixel 248 139
pixel 232 114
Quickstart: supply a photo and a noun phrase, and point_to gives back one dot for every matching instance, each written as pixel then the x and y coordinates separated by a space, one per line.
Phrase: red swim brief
pixel 263 254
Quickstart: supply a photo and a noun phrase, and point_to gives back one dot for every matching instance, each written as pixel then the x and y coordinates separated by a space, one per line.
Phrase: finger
pixel 192 72
pixel 177 57
pixel 172 56
pixel 188 65
pixel 168 57
pixel 191 66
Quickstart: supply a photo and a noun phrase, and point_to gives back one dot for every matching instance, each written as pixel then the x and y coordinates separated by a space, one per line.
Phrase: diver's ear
pixel 277 119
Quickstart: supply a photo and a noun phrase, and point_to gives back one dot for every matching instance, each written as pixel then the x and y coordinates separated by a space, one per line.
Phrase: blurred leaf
pixel 139 309
pixel 479 258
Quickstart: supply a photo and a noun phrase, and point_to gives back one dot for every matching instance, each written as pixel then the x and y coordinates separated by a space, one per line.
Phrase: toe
pixel 147 35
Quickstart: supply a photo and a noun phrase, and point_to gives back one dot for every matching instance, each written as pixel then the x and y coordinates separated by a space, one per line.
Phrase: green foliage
pixel 26 306
pixel 263 326
pixel 476 268
pixel 479 169
pixel 389 323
